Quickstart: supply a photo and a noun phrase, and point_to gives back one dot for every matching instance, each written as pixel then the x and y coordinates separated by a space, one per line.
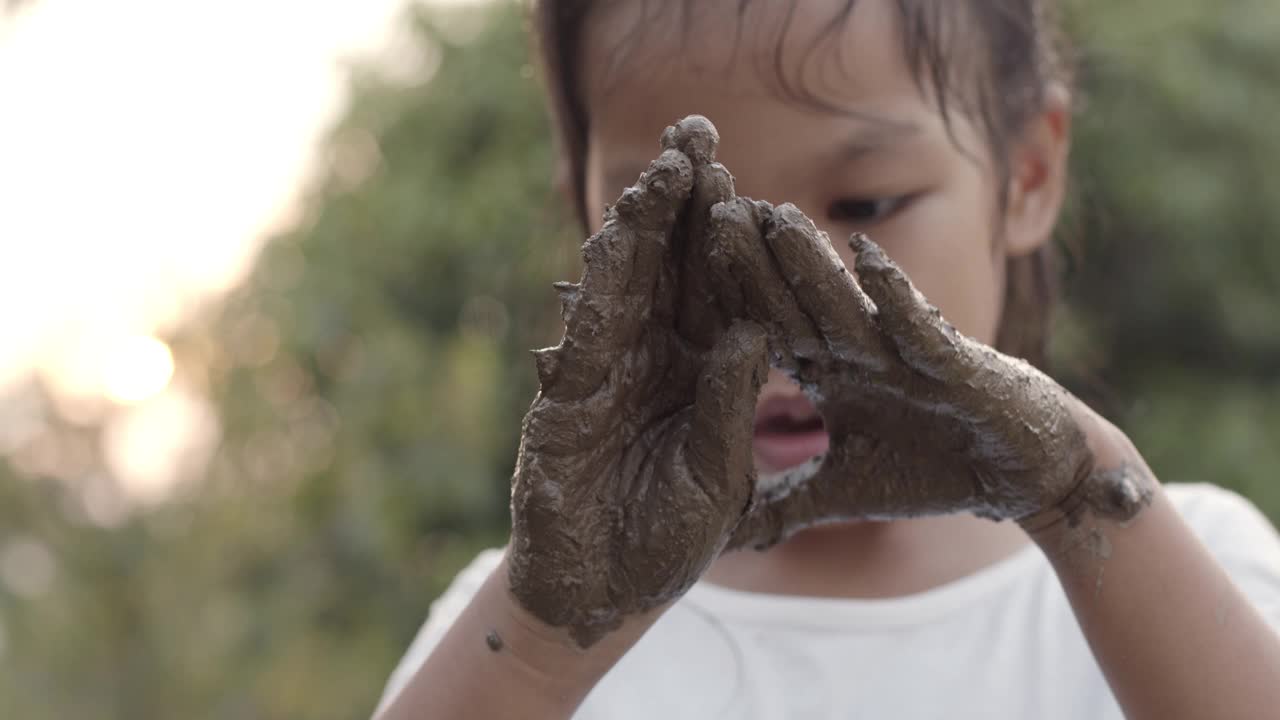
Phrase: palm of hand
pixel 635 460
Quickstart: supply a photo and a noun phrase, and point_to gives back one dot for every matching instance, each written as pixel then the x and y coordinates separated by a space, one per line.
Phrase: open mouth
pixel 788 432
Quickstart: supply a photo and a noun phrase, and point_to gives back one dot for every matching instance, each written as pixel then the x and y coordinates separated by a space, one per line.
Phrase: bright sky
pixel 145 148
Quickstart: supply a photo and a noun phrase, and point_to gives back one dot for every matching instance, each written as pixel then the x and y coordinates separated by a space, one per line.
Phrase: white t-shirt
pixel 1001 643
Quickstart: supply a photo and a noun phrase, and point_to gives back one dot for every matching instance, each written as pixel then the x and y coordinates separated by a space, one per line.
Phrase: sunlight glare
pixel 142 160
pixel 153 447
pixel 136 368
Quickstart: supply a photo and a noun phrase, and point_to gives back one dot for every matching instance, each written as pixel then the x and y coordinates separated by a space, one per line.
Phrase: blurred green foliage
pixel 371 372
pixel 1172 316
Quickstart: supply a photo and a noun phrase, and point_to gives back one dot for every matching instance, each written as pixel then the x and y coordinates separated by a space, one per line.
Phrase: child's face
pixel 888 167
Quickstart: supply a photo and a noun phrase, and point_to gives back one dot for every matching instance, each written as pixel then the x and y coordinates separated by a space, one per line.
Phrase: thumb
pixel 719 441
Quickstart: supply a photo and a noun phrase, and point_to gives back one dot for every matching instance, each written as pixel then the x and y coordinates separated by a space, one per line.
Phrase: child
pixel 885 439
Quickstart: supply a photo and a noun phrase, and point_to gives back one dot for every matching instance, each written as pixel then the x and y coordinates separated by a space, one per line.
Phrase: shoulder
pixel 440 617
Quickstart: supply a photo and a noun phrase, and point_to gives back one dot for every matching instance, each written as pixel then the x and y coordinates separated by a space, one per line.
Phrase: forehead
pixel 834 54
pixel 794 87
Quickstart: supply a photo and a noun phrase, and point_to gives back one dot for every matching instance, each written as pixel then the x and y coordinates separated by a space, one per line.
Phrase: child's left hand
pixel 923 420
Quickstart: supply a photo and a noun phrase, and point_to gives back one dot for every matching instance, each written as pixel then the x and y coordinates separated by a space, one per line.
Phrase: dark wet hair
pixel 1024 55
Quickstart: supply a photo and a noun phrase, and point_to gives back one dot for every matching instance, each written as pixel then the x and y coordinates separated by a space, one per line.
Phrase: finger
pixel 712 184
pixel 923 339
pixel 700 318
pixel 718 452
pixel 823 287
pixel 604 313
pixel 695 137
pixel 783 506
pixel 723 221
pixel 749 281
pixel 684 297
pixel 820 490
pixel 575 428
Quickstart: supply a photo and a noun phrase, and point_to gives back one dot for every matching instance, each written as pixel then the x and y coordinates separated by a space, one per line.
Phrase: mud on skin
pixel 635 468
pixel 922 419
pixel 635 459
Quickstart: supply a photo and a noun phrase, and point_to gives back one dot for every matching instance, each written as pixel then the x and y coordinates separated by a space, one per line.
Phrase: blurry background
pixel 268 273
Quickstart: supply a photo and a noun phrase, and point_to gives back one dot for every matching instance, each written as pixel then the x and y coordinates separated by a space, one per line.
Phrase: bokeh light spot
pixel 136 368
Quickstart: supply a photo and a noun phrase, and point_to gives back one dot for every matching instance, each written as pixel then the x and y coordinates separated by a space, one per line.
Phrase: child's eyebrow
pixel 873 133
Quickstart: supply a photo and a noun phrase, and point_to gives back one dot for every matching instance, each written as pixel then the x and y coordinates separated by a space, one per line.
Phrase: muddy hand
pixel 922 419
pixel 635 460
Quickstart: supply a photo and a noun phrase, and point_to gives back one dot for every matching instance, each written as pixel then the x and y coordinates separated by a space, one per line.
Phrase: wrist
pixel 499 661
pixel 549 652
pixel 1110 447
pixel 1113 483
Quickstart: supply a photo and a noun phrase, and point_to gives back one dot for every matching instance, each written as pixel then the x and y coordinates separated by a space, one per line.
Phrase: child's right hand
pixel 635 460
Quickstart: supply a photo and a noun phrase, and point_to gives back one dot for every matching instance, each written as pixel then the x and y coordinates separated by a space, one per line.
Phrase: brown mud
pixel 635 460
pixel 635 469
pixel 923 420
pixel 494 641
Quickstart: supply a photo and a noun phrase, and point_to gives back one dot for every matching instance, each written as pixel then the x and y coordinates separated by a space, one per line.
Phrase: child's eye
pixel 865 211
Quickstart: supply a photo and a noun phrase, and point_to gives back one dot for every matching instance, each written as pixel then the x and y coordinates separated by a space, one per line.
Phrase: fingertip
pixel 730 217
pixel 787 215
pixel 694 136
pixel 868 255
pixel 760 210
pixel 654 199
pixel 879 276
pixel 797 242
pixel 736 234
pixel 713 184
pixel 915 327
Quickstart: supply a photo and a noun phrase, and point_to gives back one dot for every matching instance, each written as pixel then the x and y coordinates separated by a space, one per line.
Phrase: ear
pixel 1038 175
